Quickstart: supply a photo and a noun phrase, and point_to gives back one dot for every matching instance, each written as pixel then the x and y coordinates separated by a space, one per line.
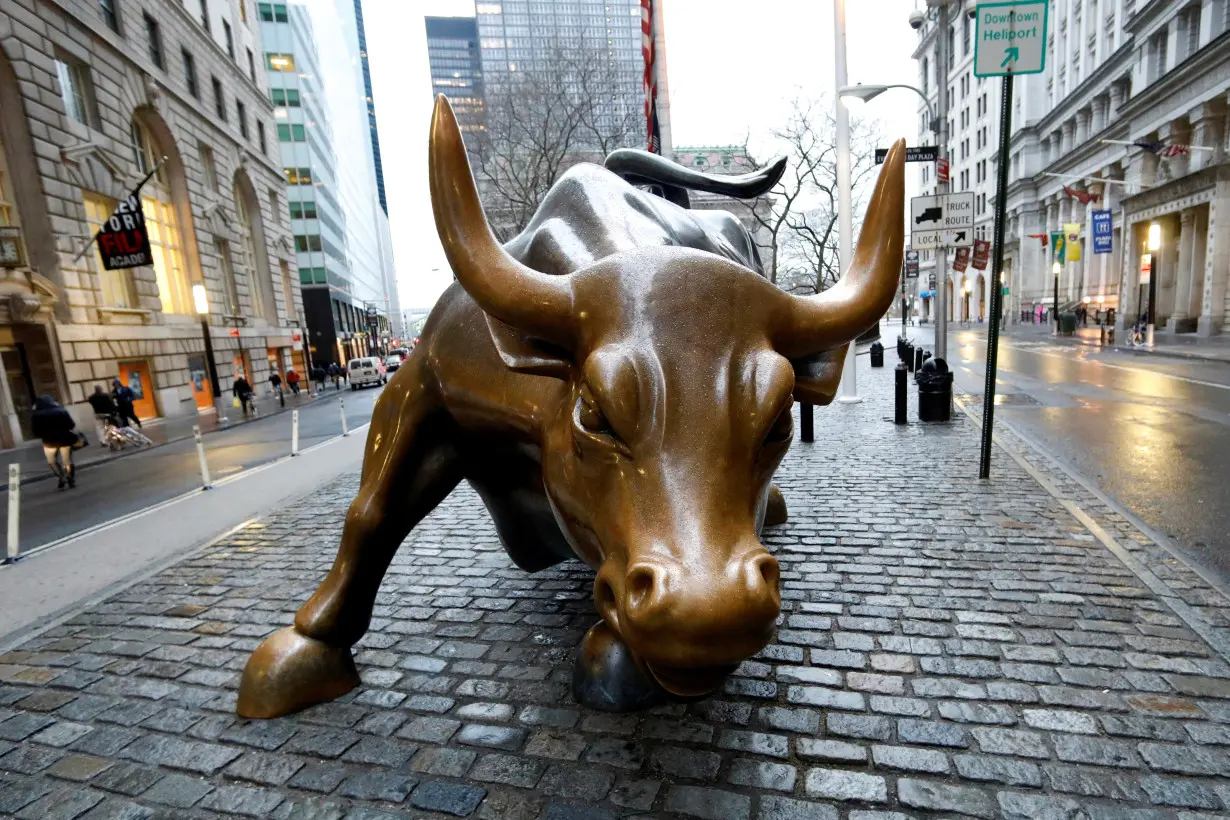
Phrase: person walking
pixel 124 398
pixel 335 373
pixel 52 424
pixel 275 383
pixel 292 381
pixel 104 410
pixel 243 392
pixel 319 376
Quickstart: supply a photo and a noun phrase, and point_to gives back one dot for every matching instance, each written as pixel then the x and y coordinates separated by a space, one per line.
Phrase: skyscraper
pixel 320 89
pixel 371 109
pixel 457 70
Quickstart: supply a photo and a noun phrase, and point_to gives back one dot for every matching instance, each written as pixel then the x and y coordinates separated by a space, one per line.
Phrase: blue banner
pixel 1101 232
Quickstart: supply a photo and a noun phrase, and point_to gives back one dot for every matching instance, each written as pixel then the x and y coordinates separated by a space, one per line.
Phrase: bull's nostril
pixel 769 570
pixel 604 596
pixel 640 582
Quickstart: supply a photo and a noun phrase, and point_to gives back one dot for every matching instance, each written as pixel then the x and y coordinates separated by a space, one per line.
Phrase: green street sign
pixel 1010 38
pixel 1005 290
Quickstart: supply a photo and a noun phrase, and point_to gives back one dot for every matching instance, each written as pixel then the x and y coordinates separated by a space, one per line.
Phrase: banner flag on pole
pixel 649 80
pixel 123 241
pixel 1057 247
pixel 1072 241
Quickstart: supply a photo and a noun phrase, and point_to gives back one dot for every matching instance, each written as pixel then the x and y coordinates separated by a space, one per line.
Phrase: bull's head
pixel 679 369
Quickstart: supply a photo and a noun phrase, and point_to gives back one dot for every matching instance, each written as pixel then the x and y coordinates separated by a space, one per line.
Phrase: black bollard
pixel 899 407
pixel 807 431
pixel 909 357
pixel 918 359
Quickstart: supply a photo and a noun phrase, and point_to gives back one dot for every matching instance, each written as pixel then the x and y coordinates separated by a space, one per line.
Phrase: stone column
pixel 1099 114
pixel 1067 133
pixel 1129 277
pixel 1207 126
pixel 1114 101
pixel 1217 265
pixel 1179 319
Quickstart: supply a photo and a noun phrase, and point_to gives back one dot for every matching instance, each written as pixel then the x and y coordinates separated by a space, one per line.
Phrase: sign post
pixel 944 221
pixel 1009 39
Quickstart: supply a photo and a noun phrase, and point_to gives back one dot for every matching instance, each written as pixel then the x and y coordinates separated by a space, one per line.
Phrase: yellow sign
pixel 1072 244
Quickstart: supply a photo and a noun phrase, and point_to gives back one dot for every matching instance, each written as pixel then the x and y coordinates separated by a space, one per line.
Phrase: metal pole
pixel 1154 270
pixel 294 432
pixel 14 549
pixel 997 295
pixel 941 188
pixel 200 453
pixel 849 373
pixel 807 428
pixel 341 403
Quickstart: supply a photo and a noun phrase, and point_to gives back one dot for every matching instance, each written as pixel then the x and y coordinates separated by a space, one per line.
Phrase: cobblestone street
pixel 947 646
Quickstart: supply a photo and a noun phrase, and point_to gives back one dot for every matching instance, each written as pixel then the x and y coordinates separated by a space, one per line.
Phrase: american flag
pixel 650 81
pixel 1163 149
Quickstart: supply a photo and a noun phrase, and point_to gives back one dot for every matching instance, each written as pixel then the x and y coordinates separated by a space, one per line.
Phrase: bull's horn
pixel 839 314
pixel 511 292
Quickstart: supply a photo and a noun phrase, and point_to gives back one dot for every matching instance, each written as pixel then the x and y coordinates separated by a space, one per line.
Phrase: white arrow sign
pixel 945 221
pixel 1010 38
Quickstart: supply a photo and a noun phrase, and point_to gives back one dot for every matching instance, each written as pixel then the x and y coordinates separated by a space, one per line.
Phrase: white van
pixel 365 371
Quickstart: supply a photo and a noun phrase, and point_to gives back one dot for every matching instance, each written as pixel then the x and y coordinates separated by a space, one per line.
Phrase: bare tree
pixel 800 227
pixel 563 109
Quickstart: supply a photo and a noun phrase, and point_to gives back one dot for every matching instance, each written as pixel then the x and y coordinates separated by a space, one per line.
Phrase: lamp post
pixel 200 300
pixel 845 238
pixel 1155 245
pixel 1056 269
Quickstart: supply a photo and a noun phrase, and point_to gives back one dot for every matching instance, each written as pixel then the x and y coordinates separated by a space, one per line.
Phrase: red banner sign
pixel 982 252
pixel 941 169
pixel 961 261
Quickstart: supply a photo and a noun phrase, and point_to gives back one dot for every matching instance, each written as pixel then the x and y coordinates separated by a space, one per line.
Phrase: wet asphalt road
pixel 1153 433
pixel 108 490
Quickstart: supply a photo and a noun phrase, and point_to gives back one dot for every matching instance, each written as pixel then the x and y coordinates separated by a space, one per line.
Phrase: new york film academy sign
pixel 123 241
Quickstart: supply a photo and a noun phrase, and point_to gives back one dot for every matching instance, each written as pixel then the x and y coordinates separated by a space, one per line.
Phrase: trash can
pixel 1067 323
pixel 877 355
pixel 934 391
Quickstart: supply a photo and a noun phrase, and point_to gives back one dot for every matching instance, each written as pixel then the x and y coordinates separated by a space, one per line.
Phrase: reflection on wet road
pixel 1152 433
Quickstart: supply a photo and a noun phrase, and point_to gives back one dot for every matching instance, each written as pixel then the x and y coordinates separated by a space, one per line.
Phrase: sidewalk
pixel 161 431
pixel 1182 346
pixel 1011 648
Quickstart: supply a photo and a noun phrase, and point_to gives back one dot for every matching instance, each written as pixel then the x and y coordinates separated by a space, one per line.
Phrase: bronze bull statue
pixel 616 383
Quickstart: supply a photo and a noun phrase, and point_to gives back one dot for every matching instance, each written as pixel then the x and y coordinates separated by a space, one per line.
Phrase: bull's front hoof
pixel 289 672
pixel 775 511
pixel 606 676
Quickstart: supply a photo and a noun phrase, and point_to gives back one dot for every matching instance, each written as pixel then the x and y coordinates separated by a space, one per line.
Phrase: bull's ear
pixel 817 376
pixel 526 354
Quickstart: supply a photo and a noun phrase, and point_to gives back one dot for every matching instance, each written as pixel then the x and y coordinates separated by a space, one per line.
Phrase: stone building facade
pixel 730 159
pixel 93 95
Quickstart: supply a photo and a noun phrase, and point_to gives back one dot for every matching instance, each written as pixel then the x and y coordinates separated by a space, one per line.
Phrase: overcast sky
pixel 733 67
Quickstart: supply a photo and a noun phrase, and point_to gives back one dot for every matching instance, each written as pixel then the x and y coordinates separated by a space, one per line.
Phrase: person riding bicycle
pixel 104 411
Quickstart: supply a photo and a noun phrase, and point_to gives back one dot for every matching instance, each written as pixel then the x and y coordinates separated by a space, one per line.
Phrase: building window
pixel 266 12
pixel 230 39
pixel 926 70
pixel 260 136
pixel 230 291
pixel 205 15
pixel 306 243
pixel 298 176
pixel 243 10
pixel 154 37
pixel 292 133
pixel 190 73
pixel 288 291
pixel 274 206
pixel 288 97
pixel 280 62
pixel 209 168
pixel 273 12
pixel 74 89
pixel 219 100
pixel 248 261
pixel 8 211
pixel 118 288
pixel 241 111
pixel 109 14
pixel 251 66
pixel 303 210
pixel 162 225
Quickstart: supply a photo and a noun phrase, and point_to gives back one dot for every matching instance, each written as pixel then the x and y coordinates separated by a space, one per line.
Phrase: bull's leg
pixel 775 510
pixel 408 468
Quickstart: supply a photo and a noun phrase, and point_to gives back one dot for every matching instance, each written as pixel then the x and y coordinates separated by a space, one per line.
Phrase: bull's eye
pixel 591 417
pixel 592 424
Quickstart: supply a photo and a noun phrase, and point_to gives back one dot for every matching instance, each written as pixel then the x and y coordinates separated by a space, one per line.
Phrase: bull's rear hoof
pixel 606 676
pixel 775 510
pixel 289 672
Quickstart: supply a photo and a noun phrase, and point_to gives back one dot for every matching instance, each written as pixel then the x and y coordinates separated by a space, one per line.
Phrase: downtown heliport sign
pixel 1010 38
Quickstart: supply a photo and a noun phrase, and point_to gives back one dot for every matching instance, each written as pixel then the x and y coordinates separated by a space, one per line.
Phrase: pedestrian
pixel 52 424
pixel 124 398
pixel 335 373
pixel 243 392
pixel 275 383
pixel 319 376
pixel 104 412
pixel 292 380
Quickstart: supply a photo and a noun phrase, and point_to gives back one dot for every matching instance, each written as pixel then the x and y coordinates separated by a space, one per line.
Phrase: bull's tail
pixel 644 168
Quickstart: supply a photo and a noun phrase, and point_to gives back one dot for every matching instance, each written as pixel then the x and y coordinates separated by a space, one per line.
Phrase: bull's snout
pixel 657 591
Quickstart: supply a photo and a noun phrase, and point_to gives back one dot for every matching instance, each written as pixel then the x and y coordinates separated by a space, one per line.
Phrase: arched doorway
pixel 29 285
pixel 253 256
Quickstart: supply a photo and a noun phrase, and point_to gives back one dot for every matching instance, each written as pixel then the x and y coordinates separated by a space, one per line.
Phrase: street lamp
pixel 1056 269
pixel 200 300
pixel 845 217
pixel 1154 244
pixel 853 96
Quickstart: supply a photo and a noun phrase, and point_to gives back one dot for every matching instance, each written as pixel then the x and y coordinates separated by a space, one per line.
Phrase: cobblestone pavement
pixel 984 655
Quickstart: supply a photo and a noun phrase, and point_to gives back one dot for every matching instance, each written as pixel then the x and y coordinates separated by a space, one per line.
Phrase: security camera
pixel 971 10
pixel 917 18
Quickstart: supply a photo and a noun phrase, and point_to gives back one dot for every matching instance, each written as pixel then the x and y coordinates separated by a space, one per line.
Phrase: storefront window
pixel 229 289
pixel 118 287
pixel 162 225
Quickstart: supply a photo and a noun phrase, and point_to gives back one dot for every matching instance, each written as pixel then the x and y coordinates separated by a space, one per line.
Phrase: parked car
pixel 392 362
pixel 365 371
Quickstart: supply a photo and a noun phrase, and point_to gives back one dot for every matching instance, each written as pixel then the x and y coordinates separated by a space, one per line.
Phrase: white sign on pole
pixel 1010 38
pixel 945 221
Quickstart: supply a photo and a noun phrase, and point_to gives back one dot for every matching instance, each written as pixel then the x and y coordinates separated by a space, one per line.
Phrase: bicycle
pixel 1137 338
pixel 117 438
